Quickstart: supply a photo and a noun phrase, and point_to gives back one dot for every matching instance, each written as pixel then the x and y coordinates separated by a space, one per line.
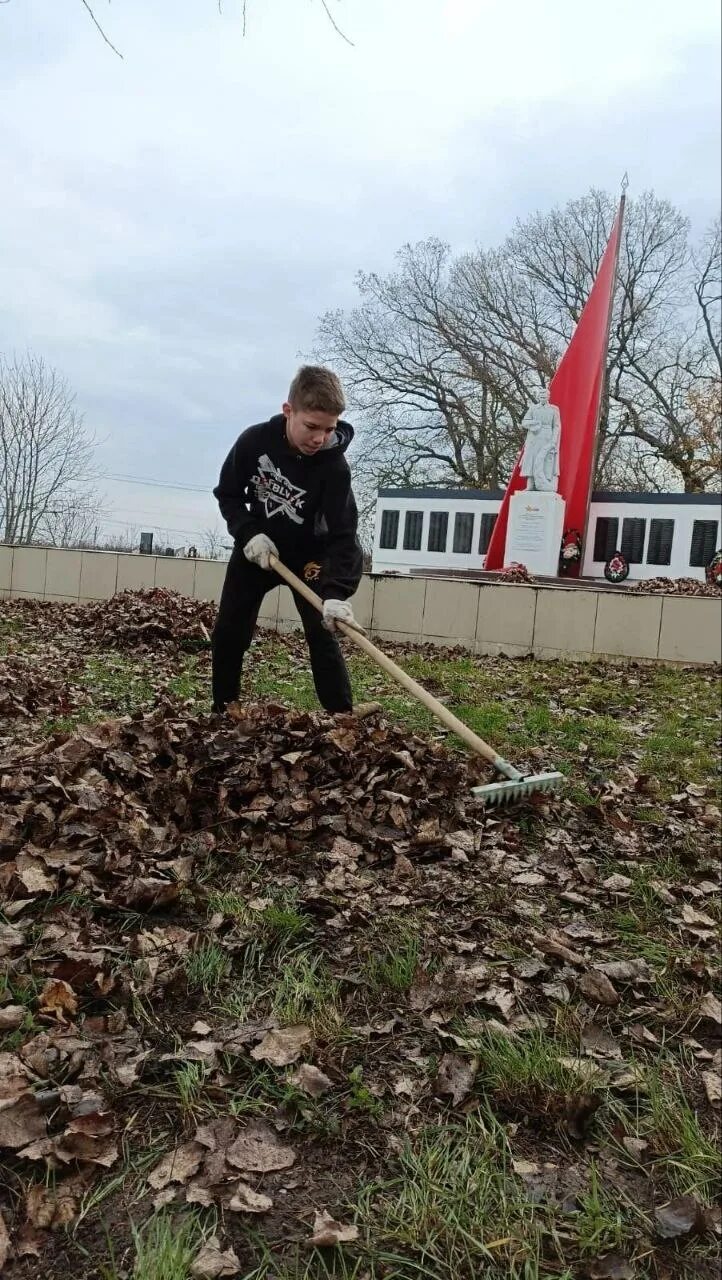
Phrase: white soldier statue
pixel 540 459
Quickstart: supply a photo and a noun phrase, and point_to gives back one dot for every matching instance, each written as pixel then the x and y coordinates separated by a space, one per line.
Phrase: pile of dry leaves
pixel 678 587
pixel 155 619
pixel 109 839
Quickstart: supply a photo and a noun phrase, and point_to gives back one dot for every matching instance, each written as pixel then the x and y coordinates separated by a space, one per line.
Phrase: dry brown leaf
pixel 212 1262
pixel 455 1077
pixel 12 1016
pixel 177 1166
pixel 712 1082
pixel 29 1241
pixel 257 1150
pixel 21 1122
pixel 710 1007
pixel 58 997
pixel 612 1266
pixel 681 1217
pixel 617 883
pixel 635 970
pixel 597 987
pixel 281 1048
pixel 52 1207
pixel 245 1200
pixel 310 1080
pixel 327 1232
pixel 164 1197
pixel 693 917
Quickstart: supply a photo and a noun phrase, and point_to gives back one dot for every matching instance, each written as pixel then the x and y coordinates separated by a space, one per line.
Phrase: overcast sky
pixel 173 224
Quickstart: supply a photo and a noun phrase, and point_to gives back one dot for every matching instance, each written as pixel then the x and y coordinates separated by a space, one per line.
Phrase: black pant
pixel 241 599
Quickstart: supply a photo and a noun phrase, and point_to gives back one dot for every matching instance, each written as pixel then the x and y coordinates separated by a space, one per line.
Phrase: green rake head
pixel 511 791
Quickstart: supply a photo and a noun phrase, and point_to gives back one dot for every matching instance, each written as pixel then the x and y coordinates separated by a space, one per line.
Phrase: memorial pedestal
pixel 534 531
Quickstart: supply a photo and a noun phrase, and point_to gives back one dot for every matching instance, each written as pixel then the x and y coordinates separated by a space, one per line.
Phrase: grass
pixel 283 923
pixel 306 992
pixel 528 1065
pixel 207 967
pixel 395 968
pixel 190 1082
pixel 228 904
pixel 689 1160
pixel 453 1211
pixel 165 1247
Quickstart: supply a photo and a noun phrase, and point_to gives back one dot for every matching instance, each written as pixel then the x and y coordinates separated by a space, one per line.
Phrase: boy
pixel 285 490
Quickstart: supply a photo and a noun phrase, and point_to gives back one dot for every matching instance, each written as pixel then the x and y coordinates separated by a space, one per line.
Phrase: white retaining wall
pixel 486 618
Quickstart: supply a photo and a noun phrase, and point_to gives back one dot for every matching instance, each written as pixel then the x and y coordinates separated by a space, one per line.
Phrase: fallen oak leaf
pixel 177 1165
pixel 281 1048
pixel 612 1266
pixel 681 1217
pixel 12 1016
pixel 212 1262
pixel 58 997
pixel 21 1122
pixel 246 1200
pixel 310 1080
pixel 597 987
pixel 257 1150
pixel 455 1077
pixel 327 1232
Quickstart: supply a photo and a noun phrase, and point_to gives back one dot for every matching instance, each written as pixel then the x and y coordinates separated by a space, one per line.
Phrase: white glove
pixel 259 551
pixel 339 611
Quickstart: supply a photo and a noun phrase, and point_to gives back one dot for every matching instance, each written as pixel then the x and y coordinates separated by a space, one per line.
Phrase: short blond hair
pixel 316 388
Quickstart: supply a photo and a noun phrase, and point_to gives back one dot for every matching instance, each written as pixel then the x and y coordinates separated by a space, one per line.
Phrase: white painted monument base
pixel 534 531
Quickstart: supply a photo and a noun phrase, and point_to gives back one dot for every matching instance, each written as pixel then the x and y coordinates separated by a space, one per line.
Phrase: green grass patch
pixel 207 967
pixel 394 969
pixel 165 1247
pixel 306 992
pixel 454 1210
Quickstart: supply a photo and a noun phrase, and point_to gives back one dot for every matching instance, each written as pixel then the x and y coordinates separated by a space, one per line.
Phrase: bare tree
pixel 91 11
pixel 443 355
pixel 213 543
pixel 75 521
pixel 45 455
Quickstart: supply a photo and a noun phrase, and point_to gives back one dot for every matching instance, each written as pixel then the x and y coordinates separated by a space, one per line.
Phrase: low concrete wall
pixel 487 618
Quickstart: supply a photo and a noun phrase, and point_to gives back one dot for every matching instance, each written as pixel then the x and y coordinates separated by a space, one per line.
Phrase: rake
pixel 516 785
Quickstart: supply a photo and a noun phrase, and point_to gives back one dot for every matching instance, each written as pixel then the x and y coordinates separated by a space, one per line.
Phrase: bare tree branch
pixel 100 29
pixel 45 456
pixel 443 355
pixel 334 24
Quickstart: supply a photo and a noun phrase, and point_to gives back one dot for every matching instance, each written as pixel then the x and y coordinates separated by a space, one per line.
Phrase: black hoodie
pixel 303 504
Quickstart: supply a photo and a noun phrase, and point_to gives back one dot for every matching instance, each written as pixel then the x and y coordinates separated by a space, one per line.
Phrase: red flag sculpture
pixel 576 390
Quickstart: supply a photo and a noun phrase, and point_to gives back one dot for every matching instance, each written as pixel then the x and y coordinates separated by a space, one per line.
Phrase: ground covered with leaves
pixel 279 999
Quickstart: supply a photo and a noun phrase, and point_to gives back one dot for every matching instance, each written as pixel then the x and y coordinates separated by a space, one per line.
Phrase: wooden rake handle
pixel 432 704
